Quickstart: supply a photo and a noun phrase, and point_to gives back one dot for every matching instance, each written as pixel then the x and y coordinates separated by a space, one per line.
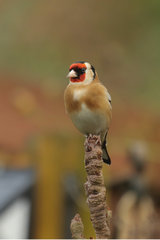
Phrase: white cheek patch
pixel 78 93
pixel 88 66
pixel 89 76
pixel 75 83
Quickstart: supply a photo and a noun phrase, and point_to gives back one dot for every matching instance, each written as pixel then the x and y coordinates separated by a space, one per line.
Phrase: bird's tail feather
pixel 105 155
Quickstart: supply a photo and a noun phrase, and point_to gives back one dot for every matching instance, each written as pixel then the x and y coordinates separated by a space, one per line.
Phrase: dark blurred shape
pixel 16 203
pixel 138 156
pixel 135 215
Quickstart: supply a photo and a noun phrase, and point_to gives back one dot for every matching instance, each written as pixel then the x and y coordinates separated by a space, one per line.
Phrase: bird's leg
pixel 86 144
pixel 98 141
pixel 90 137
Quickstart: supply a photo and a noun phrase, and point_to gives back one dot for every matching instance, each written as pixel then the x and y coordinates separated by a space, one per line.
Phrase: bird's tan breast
pixel 71 104
pixel 92 95
pixel 88 107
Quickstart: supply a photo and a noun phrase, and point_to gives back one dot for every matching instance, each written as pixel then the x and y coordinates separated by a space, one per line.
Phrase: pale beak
pixel 72 74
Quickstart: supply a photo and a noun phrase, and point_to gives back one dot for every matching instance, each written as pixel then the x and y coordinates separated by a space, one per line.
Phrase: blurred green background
pixel 38 42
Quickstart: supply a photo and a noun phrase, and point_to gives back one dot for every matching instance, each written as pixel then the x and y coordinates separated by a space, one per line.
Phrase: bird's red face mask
pixel 77 72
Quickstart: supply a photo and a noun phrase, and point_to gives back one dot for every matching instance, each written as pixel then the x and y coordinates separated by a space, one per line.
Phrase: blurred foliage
pixel 40 39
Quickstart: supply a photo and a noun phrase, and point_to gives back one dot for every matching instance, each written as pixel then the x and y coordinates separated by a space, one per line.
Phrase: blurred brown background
pixel 38 42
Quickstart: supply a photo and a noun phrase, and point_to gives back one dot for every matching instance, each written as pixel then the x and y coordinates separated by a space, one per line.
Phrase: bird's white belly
pixel 89 122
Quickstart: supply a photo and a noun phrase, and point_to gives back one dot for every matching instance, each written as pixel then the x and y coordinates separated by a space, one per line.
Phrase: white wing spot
pixel 109 97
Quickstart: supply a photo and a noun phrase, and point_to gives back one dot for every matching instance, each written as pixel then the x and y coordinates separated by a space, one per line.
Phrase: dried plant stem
pixel 95 189
pixel 96 192
pixel 77 227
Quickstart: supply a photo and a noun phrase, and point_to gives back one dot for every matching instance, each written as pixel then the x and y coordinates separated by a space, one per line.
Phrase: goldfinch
pixel 88 103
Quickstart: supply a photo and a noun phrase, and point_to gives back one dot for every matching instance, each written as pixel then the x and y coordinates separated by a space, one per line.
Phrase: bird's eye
pixel 83 70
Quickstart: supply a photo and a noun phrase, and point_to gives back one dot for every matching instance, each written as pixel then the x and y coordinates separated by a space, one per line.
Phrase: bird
pixel 88 103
